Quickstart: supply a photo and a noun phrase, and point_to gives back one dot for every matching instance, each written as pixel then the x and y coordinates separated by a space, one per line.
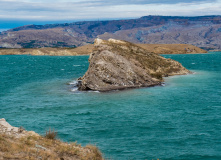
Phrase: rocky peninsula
pixel 17 143
pixel 117 64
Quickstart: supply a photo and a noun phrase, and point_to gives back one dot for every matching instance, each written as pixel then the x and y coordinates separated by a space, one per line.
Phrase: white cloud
pixel 85 9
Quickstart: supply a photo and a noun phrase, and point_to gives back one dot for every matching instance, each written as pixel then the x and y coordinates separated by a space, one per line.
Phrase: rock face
pixel 116 64
pixel 6 128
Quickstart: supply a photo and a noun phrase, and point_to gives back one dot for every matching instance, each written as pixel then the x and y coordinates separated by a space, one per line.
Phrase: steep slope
pixel 204 31
pixel 116 64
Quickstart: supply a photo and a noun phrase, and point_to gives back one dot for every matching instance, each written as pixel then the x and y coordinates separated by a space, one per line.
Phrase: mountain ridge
pixel 201 31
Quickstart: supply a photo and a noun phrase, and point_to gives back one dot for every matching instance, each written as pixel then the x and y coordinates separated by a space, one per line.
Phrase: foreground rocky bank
pixel 116 64
pixel 17 143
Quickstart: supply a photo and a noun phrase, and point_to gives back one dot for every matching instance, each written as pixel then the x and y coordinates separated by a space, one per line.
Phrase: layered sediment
pixel 116 64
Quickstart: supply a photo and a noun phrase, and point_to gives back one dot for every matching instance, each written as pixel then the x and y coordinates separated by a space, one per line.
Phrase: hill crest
pixel 203 31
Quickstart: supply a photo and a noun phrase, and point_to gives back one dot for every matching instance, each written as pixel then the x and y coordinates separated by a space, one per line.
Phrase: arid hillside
pixel 172 48
pixel 17 143
pixel 203 32
pixel 87 49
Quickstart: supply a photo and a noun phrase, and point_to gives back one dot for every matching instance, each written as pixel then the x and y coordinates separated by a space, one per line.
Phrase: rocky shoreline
pixel 116 65
pixel 17 143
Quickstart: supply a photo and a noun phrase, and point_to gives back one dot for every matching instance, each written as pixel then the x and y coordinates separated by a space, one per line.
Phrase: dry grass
pixel 37 147
pixel 95 151
pixel 154 64
pixel 87 49
pixel 50 134
pixel 172 48
pixel 157 75
pixel 84 50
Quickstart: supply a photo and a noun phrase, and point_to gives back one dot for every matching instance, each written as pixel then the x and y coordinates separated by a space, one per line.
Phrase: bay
pixel 180 120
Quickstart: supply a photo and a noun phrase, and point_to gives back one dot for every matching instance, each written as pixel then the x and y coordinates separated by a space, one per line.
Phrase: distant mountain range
pixel 202 31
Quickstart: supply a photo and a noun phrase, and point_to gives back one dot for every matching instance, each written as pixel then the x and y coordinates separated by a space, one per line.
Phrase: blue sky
pixel 73 10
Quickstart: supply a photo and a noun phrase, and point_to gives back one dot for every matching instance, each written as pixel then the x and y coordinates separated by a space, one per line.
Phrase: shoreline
pixel 87 49
pixel 17 143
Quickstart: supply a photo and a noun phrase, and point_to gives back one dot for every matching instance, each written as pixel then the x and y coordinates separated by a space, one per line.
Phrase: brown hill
pixel 87 49
pixel 203 31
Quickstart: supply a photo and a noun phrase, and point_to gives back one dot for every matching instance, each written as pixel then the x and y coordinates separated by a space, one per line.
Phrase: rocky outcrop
pixel 116 64
pixel 6 128
pixel 17 143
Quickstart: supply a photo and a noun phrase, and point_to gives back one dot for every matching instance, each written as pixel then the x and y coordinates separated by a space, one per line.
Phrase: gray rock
pixel 116 65
pixel 6 128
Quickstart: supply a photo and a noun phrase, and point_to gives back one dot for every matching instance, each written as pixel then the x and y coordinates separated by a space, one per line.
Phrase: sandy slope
pixel 87 49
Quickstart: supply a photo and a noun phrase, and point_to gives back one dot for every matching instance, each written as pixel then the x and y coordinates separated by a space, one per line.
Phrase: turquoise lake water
pixel 178 121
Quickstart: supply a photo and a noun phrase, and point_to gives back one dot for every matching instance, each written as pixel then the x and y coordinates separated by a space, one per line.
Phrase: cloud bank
pixel 51 10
